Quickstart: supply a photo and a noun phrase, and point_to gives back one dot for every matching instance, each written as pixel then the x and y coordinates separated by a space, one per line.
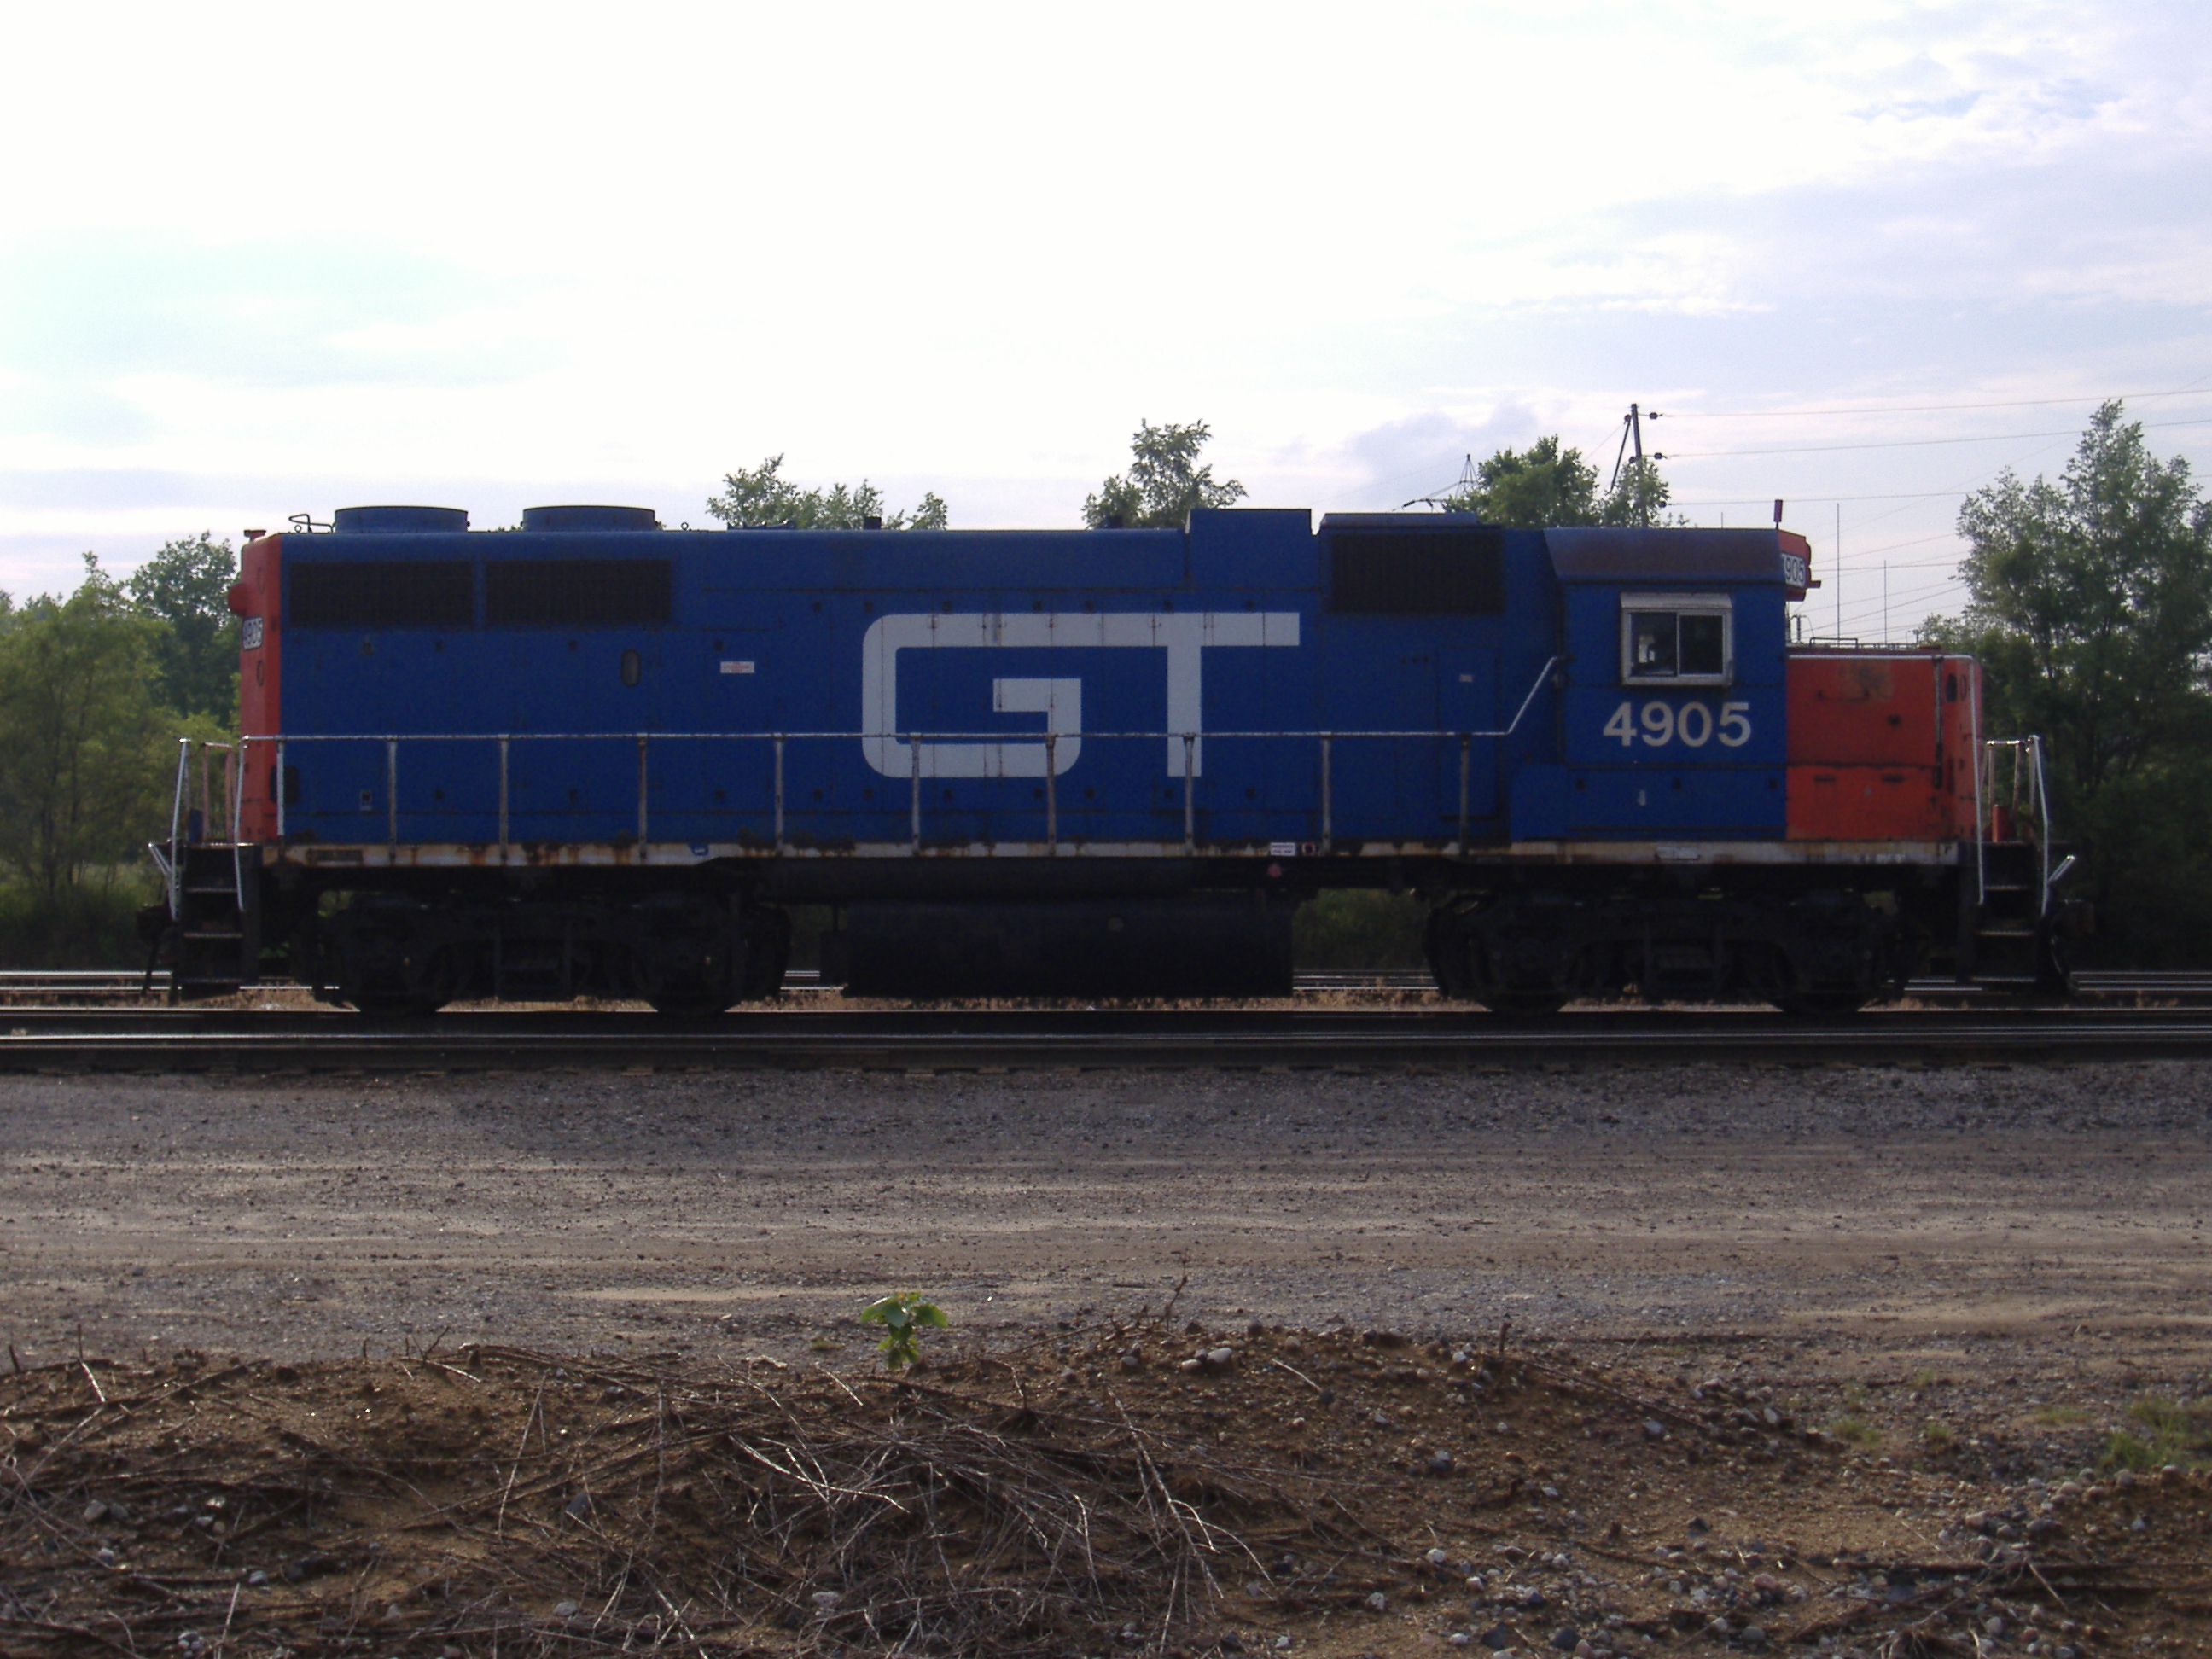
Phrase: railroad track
pixel 198 1040
pixel 104 987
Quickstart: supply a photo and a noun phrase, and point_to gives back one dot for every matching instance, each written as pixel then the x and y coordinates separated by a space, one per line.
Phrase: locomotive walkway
pixel 90 1039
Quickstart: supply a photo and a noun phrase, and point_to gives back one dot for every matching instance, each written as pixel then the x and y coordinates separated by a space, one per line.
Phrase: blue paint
pixel 767 634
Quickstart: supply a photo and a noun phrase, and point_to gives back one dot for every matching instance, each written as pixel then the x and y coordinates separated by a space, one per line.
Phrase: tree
pixel 1546 486
pixel 1164 483
pixel 1550 485
pixel 1638 497
pixel 2091 608
pixel 81 741
pixel 186 586
pixel 762 497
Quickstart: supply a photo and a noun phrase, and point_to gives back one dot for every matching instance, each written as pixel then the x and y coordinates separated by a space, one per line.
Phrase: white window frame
pixel 1703 604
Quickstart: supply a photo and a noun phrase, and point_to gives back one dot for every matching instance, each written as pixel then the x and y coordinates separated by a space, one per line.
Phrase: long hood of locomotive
pixel 1252 687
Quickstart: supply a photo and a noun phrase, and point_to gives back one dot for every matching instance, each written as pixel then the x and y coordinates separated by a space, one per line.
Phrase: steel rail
pixel 109 984
pixel 1020 1039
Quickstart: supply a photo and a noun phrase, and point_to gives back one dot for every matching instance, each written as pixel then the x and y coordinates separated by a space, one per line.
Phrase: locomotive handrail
pixel 1001 735
pixel 233 785
pixel 2031 793
pixel 505 740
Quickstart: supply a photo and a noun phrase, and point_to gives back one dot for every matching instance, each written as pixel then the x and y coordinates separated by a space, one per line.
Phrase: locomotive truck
pixel 596 756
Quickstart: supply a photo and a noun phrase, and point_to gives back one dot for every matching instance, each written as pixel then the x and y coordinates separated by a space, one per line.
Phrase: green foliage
pixel 1164 483
pixel 2091 611
pixel 1855 1430
pixel 1550 485
pixel 1546 486
pixel 82 743
pixel 1638 497
pixel 1356 928
pixel 903 1315
pixel 763 497
pixel 186 586
pixel 90 925
pixel 2166 1431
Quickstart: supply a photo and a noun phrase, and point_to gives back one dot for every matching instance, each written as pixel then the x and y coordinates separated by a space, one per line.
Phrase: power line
pixel 1917 408
pixel 1907 443
pixel 1761 500
pixel 1378 486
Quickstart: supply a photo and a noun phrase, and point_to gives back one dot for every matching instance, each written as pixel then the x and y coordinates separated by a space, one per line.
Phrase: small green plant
pixel 2169 1433
pixel 903 1315
pixel 2060 1417
pixel 1926 1377
pixel 1937 1436
pixel 1855 1430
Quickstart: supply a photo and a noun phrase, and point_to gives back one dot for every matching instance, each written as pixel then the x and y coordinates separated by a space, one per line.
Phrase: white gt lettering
pixel 1184 636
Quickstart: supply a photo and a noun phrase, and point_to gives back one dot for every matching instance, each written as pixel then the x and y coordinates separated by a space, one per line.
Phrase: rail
pixel 1207 1039
pixel 96 986
pixel 915 742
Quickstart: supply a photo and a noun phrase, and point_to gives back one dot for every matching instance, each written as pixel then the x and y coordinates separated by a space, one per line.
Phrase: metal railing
pixel 2013 767
pixel 779 743
pixel 168 858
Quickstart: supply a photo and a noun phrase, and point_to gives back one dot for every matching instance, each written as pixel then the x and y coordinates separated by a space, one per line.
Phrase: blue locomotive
pixel 596 756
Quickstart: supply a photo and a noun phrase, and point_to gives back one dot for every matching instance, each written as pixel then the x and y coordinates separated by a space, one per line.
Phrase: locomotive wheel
pixel 768 953
pixel 1447 950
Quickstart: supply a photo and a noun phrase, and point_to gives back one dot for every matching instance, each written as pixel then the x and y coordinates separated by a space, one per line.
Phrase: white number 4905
pixel 1692 725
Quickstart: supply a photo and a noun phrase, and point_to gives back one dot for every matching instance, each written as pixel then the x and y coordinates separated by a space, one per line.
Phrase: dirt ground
pixel 1849 1332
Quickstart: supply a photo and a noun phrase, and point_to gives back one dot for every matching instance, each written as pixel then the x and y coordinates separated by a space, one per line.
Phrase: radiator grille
pixel 578 592
pixel 380 593
pixel 1418 573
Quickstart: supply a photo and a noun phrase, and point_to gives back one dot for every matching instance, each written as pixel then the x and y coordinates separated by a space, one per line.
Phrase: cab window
pixel 1676 639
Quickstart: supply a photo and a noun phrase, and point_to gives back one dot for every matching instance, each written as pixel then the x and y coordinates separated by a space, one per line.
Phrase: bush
pixel 1353 928
pixel 89 926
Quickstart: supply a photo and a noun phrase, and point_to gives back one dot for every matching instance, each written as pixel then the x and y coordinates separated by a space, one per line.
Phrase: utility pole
pixel 1632 432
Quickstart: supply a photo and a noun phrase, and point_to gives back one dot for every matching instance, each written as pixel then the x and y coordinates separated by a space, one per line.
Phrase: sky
pixel 258 261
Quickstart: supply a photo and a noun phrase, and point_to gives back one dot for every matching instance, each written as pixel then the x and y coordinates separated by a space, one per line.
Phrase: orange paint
pixel 257 597
pixel 1881 744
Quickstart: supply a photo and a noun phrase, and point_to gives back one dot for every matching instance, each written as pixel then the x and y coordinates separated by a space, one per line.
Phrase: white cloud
pixel 501 252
